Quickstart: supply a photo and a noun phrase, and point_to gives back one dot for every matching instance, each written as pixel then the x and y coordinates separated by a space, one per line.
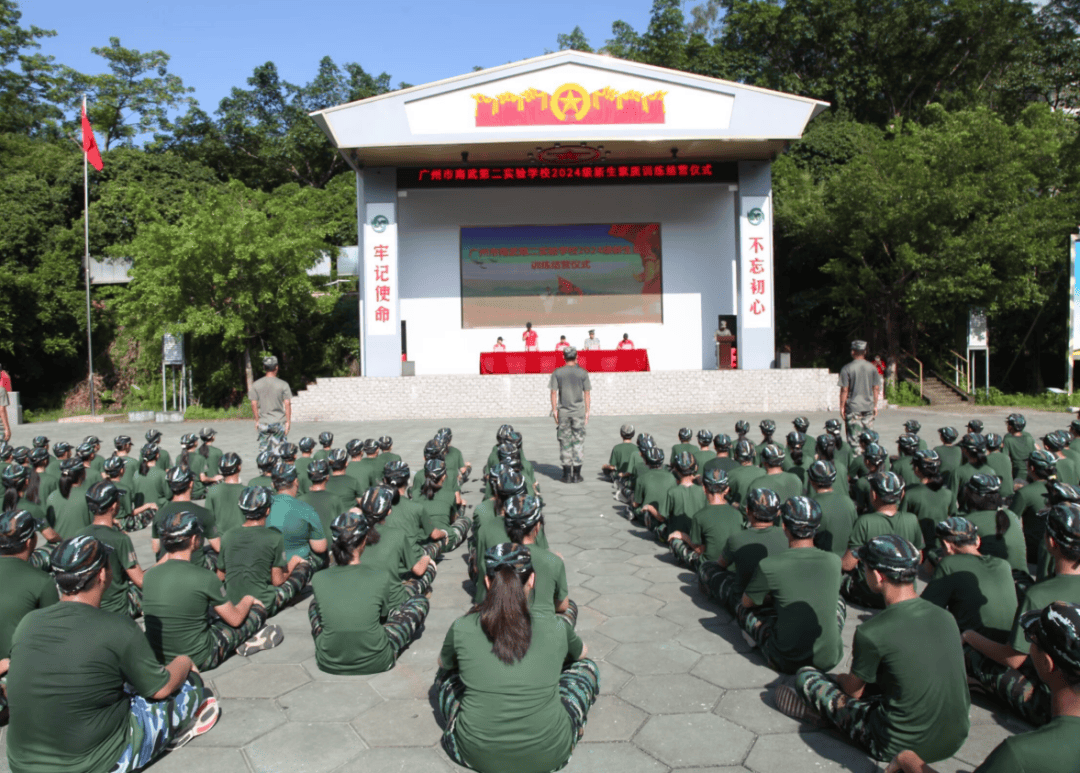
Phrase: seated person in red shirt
pixel 499 345
pixel 563 344
pixel 625 343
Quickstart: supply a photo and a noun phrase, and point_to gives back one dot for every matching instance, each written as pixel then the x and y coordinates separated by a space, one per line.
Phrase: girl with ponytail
pixel 150 484
pixel 508 671
pixel 999 528
pixel 66 509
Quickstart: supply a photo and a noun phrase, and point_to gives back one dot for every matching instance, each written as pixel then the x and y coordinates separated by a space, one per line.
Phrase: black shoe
pixel 577 475
pixel 566 476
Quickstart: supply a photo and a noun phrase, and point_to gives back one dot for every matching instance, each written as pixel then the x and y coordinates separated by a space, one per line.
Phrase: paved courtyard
pixel 679 687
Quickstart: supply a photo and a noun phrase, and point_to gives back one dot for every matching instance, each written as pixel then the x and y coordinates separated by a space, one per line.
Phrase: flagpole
pixel 86 237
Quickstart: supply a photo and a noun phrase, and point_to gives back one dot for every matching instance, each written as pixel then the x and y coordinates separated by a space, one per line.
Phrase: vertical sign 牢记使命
pixel 1074 309
pixel 755 271
pixel 380 271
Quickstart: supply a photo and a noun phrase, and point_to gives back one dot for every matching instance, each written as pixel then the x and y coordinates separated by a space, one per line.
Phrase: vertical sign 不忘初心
pixel 380 272
pixel 756 271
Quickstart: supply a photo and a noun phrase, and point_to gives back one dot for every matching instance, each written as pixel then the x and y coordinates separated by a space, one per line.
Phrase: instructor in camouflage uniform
pixel 570 405
pixel 271 401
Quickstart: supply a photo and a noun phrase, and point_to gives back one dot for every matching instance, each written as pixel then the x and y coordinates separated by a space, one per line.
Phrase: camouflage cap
pixel 721 442
pixel 40 442
pixel 269 363
pixel 150 451
pixel 795 439
pixel 207 433
pixel 1057 491
pixel 71 467
pixel 92 439
pixel 887 486
pixel 385 442
pixel 515 438
pixel 179 526
pixel 654 457
pixel 21 454
pixel 284 474
pixel 1043 462
pixel 715 480
pixel 704 437
pixel 1056 631
pixel 396 473
pixel 523 513
pixel 84 451
pixel 948 435
pixel 5 450
pixel 80 556
pixel 444 435
pixel 376 502
pixel 355 447
pixel 371 446
pixel 912 426
pixel 16 529
pixel 773 455
pixel 511 483
pixel 762 504
pixel 266 460
pixel 433 449
pixel 1074 426
pixel 189 440
pixel 39 456
pixel 994 441
pixel 801 424
pixel 318 470
pixel 908 443
pixel 350 527
pixel 1063 524
pixel 15 475
pixel 179 478
pixel 306 445
pixel 742 427
pixel 121 442
pixel 288 451
pixel 1016 421
pixel 892 555
pixel 434 469
pixel 983 484
pixel 875 454
pixel 684 463
pixel 337 459
pixel 767 426
pixel 114 466
pixel 645 440
pixel 868 436
pixel 858 345
pixel 511 556
pixel 927 461
pixel 975 426
pixel 825 444
pixel 744 451
pixel 152 435
pixel 500 433
pixel 833 426
pixel 957 530
pixel 685 434
pixel 326 439
pixel 822 473
pixel 229 464
pixel 1053 441
pixel 973 442
pixel 255 502
pixel 626 431
pixel 59 448
pixel 801 516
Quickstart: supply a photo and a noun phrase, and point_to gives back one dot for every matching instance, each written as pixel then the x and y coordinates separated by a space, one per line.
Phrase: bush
pixel 904 394
pixel 1047 401
pixel 202 413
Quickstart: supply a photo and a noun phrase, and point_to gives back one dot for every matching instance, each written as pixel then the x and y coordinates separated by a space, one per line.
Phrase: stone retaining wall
pixel 613 394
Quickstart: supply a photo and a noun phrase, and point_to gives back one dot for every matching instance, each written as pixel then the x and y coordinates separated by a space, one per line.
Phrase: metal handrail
pixel 913 373
pixel 961 370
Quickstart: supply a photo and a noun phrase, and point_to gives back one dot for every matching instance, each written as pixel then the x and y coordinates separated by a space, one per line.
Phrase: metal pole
pixel 86 237
pixel 1072 306
pixel 987 355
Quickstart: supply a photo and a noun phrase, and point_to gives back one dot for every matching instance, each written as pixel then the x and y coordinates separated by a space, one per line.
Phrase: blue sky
pixel 215 44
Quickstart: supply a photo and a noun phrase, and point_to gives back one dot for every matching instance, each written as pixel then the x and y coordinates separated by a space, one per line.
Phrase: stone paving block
pixel 705 640
pixel 589 544
pixel 329 701
pixel 649 658
pixel 732 634
pixel 821 752
pixel 613 719
pixel 600 646
pixel 595 531
pixel 735 672
pixel 241 722
pixel 588 619
pixel 608 569
pixel 398 723
pixel 667 574
pixel 405 680
pixel 611 758
pixel 691 616
pixel 598 556
pixel 612 678
pixel 311 668
pixel 301 747
pixel 401 760
pixel 294 620
pixel 297 647
pixel 684 740
pixel 197 760
pixel 261 681
pixel 661 556
pixel 583 596
pixel 755 709
pixel 670 694
pixel 622 604
pixel 639 628
pixel 231 664
pixel 981 740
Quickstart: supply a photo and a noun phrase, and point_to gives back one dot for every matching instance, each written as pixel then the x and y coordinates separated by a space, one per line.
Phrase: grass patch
pixel 904 394
pixel 201 413
pixel 1047 401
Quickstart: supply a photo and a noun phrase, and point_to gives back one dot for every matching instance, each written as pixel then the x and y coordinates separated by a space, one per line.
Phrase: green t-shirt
pixel 1066 471
pixel 122 558
pixel 929 507
pixel 1027 502
pixel 223 500
pixel 1009 545
pixel 197 466
pixel 745 550
pixel 785 484
pixel 68 516
pixel 298 521
pixel 550 586
pixel 838 517
pixel 25 589
pixel 1019 450
pixel 1040 596
pixel 571 382
pixel 739 480
pixel 46 486
pixel 951 459
pixel 1052 748
pixel 1002 467
pixel 862 495
pixel 391 554
pixel 37 511
pixel 511 716
pixel 680 504
pixel 361 470
pixel 262 480
pixel 967 472
pixel 353 600
pixel 152 487
pixel 651 487
pixel 176 596
pixel 905 468
pixel 439 509
pixel 205 518
pixel 247 556
pixel 455 460
pixel 622 457
pixel 878 524
pixel 978 591
pixel 491 532
pixel 213 461
pixel 804 585
pixel 73 714
pixel 713 526
pixel 346 488
pixel 679 448
pixel 327 506
pixel 725 463
pixel 703 456
pixel 911 652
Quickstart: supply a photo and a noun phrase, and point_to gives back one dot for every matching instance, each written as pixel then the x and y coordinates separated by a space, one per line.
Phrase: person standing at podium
pixel 592 342
pixel 499 345
pixel 625 343
pixel 530 338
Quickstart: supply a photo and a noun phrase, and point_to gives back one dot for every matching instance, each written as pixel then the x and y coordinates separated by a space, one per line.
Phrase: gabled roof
pixel 635 109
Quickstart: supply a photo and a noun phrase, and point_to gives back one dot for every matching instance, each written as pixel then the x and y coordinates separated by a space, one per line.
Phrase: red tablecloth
pixel 594 360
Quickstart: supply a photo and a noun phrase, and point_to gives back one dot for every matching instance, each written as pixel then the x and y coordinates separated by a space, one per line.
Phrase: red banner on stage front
pixel 594 361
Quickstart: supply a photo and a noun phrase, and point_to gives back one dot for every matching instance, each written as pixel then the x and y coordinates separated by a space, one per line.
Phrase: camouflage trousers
pixel 856 423
pixel 152 724
pixel 455 535
pixel 760 623
pixel 685 555
pixel 134 601
pixel 578 687
pixel 571 435
pixel 227 639
pixel 853 587
pixel 401 626
pixel 41 558
pixel 571 613
pixel 1022 691
pixel 289 589
pixel 721 584
pixel 134 522
pixel 419 586
pixel 655 525
pixel 850 715
pixel 271 437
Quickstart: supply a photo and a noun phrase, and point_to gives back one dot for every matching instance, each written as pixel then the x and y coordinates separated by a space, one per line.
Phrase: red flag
pixel 89 144
pixel 567 287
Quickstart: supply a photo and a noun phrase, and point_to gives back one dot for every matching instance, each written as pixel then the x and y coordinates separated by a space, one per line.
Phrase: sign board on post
pixel 755 273
pixel 380 272
pixel 978 333
pixel 172 349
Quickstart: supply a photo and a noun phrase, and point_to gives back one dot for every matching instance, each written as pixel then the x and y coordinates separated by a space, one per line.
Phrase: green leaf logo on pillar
pixel 755 216
pixel 379 223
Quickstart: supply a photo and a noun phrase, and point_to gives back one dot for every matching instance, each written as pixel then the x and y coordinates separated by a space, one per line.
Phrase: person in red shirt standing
pixel 530 338
pixel 625 343
pixel 499 346
pixel 563 344
pixel 5 380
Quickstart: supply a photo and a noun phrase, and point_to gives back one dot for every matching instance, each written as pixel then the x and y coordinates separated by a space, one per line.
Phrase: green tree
pixel 26 76
pixel 664 43
pixel 133 98
pixel 575 41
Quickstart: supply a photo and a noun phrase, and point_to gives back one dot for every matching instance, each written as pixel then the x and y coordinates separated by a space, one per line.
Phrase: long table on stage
pixel 593 360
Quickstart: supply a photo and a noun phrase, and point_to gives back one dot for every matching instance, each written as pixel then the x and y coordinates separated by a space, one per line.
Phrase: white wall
pixel 698 240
